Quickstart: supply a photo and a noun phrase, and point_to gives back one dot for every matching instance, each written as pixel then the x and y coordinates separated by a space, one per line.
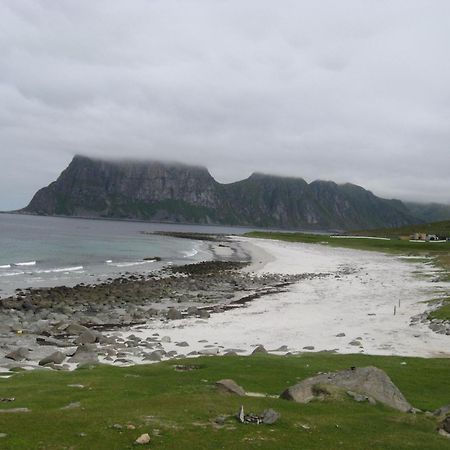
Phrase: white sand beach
pixel 355 301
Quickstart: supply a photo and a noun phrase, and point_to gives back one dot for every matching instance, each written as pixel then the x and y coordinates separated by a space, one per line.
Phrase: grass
pixel 388 246
pixel 441 228
pixel 178 408
pixel 443 312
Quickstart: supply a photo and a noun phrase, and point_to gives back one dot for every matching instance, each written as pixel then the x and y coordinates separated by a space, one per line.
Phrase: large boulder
pixel 18 355
pixel 55 358
pixel 84 354
pixel 369 381
pixel 230 387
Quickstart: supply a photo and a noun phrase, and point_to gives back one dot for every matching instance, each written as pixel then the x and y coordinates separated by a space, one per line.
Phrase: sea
pixel 38 251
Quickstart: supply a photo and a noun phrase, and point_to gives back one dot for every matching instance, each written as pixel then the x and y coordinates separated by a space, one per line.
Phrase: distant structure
pixel 424 237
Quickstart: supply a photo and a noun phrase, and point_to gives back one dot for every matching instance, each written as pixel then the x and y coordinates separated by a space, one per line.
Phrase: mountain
pixel 175 192
pixel 429 212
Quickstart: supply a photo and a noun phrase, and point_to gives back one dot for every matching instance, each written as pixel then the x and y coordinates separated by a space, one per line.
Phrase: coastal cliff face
pixel 181 193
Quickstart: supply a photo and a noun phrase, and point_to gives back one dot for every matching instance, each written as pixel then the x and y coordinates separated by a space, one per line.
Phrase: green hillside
pixel 441 228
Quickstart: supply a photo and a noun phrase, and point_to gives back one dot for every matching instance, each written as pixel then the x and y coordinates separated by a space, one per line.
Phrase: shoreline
pixel 288 297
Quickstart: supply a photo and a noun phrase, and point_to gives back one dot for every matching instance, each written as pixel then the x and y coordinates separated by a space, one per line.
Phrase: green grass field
pixel 178 408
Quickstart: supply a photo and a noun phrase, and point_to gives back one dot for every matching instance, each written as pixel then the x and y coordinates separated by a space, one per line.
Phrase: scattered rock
pixel 73 405
pixel 309 347
pixel 259 349
pixel 340 335
pixel 355 343
pixel 368 381
pixel 56 358
pixel 143 439
pixel 442 411
pixel 230 387
pixel 445 425
pixel 283 348
pixel 86 337
pixel 269 416
pixel 19 354
pixel 182 344
pixel 174 314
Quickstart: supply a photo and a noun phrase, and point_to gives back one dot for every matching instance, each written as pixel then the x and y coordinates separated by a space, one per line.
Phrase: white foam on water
pixel 26 263
pixel 11 274
pixel 132 263
pixel 5 266
pixel 61 269
pixel 190 253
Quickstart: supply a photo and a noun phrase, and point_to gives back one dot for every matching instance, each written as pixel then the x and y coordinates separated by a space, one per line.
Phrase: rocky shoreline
pixel 63 327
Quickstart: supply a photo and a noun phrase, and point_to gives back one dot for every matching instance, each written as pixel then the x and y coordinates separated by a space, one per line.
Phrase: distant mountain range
pixel 173 192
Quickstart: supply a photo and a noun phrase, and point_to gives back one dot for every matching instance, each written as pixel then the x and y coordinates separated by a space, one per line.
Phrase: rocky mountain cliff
pixel 179 193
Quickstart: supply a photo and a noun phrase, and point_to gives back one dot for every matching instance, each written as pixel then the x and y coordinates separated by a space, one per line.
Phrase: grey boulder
pixel 368 381
pixel 230 387
pixel 18 355
pixel 55 358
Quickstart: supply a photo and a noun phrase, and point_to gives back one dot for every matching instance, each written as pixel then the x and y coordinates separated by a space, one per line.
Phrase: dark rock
pixel 259 349
pixel 174 314
pixel 55 358
pixel 442 411
pixel 19 354
pixel 86 337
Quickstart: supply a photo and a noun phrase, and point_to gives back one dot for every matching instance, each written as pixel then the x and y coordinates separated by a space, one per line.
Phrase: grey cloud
pixel 351 91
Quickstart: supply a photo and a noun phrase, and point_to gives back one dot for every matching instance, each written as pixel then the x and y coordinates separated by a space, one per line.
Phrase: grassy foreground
pixel 178 408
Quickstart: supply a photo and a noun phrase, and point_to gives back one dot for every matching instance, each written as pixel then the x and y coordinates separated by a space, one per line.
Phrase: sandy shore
pixel 291 298
pixel 349 310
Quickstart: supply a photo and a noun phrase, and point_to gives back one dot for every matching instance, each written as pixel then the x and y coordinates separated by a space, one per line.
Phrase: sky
pixel 350 90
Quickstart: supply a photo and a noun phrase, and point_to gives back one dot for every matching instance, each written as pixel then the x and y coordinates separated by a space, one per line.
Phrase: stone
pixel 361 398
pixel 340 335
pixel 174 314
pixel 86 337
pixel 230 387
pixel 204 314
pixel 269 416
pixel 259 349
pixel 84 354
pixel 143 439
pixel 445 425
pixel 75 329
pixel 182 344
pixel 56 358
pixel 283 348
pixel 355 343
pixel 369 381
pixel 309 347
pixel 442 411
pixel 154 356
pixel 19 354
pixel 166 339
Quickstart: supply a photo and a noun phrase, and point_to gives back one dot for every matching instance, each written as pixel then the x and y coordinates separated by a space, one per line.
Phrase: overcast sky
pixel 355 91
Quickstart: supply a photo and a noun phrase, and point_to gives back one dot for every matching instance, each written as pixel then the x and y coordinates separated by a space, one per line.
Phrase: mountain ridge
pixel 177 192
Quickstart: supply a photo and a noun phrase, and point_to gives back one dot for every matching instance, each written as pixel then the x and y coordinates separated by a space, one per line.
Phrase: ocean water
pixel 51 251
